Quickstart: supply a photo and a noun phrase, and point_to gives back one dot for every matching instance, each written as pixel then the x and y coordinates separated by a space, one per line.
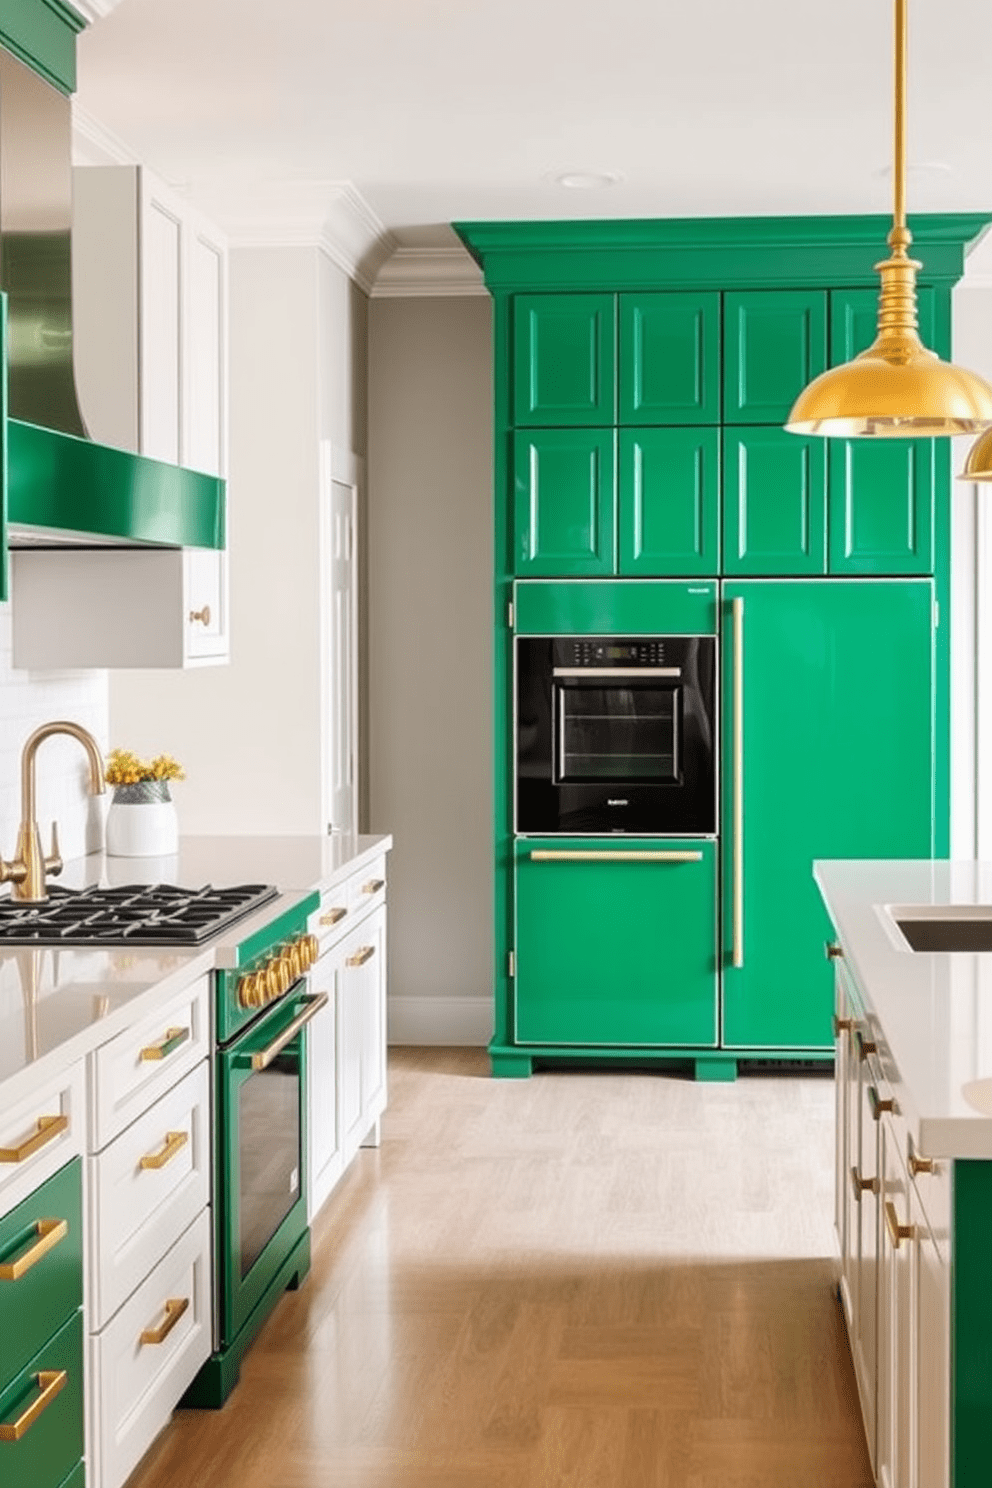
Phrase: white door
pixel 340 652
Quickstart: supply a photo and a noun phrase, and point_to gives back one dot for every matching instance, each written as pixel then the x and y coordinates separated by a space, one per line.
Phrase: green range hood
pixel 62 489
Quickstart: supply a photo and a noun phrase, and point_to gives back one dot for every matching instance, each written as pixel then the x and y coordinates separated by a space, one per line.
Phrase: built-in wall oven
pixel 616 734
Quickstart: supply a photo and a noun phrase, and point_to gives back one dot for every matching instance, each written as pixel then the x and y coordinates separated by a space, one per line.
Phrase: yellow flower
pixel 125 768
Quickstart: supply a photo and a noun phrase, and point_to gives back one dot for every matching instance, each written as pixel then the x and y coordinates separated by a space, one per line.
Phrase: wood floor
pixel 592 1280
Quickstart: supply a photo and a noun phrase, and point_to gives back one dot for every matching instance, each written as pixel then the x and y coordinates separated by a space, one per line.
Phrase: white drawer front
pixel 140 1065
pixel 368 887
pixel 40 1134
pixel 136 1385
pixel 146 1188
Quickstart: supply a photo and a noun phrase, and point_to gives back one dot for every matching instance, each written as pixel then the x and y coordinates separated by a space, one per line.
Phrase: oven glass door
pixel 262 1180
pixel 627 733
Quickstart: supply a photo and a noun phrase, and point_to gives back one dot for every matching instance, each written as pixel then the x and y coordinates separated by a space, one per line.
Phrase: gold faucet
pixel 27 869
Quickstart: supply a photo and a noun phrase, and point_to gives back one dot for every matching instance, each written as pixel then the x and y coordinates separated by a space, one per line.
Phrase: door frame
pixel 341 467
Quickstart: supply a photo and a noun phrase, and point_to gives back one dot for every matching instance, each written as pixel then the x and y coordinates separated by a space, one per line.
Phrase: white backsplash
pixel 28 699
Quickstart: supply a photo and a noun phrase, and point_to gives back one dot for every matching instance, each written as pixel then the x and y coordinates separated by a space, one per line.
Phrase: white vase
pixel 142 821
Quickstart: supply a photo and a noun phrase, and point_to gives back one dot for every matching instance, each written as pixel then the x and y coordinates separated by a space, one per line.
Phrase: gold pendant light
pixel 978 466
pixel 897 389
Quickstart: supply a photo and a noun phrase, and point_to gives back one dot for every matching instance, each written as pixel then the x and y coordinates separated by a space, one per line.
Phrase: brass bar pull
pixel 917 1164
pixel 592 674
pixel 50 1232
pixel 832 951
pixel 862 1185
pixel 878 1104
pixel 264 1058
pixel 174 1309
pixel 865 1046
pixel 897 1232
pixel 360 957
pixel 737 612
pixel 174 1142
pixel 606 855
pixel 48 1128
pixel 51 1382
pixel 842 1025
pixel 373 886
pixel 332 916
pixel 173 1038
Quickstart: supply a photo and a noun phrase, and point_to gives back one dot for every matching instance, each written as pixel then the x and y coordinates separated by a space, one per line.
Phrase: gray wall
pixel 429 539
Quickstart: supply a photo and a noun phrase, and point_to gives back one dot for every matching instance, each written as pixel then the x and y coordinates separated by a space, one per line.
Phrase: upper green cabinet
pixel 669 506
pixel 43 34
pixel 774 502
pixel 882 506
pixel 670 359
pixel 564 359
pixel 775 342
pixel 564 518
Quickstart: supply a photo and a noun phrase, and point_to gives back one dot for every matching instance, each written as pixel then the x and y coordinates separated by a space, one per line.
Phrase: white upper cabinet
pixel 150 319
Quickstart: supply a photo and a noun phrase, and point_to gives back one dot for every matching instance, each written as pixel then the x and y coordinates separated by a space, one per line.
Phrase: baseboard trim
pixel 461 1021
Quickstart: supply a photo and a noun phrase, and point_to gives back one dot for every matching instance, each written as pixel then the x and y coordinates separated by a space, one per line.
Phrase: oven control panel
pixel 603 652
pixel 281 968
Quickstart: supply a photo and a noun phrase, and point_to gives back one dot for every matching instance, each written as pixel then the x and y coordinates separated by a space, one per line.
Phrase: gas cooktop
pixel 134 914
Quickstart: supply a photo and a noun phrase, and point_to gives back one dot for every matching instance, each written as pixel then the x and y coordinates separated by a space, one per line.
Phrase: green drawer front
pixel 34 1303
pixel 52 1444
pixel 631 607
pixel 77 1478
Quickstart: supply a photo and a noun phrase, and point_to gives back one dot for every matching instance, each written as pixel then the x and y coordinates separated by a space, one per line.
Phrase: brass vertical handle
pixel 737 612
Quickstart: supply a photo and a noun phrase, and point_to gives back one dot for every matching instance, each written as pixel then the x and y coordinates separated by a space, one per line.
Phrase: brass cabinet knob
pixel 202 615
pixel 833 951
pixel 842 1025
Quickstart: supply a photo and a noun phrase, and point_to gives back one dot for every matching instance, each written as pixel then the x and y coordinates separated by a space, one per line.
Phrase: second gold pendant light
pixel 897 388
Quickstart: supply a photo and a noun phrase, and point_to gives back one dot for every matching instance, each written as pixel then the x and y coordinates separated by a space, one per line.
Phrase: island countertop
pixel 934 1008
pixel 57 1003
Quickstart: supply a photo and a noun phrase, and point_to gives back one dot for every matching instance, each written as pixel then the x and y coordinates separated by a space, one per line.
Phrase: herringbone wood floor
pixel 592 1280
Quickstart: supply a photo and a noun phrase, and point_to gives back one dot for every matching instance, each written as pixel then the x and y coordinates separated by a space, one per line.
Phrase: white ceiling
pixel 440 110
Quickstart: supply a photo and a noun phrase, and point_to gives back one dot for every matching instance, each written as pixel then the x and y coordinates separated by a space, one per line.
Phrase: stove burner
pixel 134 914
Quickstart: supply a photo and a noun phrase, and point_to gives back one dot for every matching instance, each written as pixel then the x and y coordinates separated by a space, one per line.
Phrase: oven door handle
pixel 313 1006
pixel 602 855
pixel 590 673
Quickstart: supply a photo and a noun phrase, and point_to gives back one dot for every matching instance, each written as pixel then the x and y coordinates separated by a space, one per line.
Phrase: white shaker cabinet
pixel 150 347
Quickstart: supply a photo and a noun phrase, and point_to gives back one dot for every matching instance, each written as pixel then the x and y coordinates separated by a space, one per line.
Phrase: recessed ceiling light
pixel 586 180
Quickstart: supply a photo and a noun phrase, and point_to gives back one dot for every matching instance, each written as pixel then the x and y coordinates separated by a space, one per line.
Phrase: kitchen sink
pixel 947 927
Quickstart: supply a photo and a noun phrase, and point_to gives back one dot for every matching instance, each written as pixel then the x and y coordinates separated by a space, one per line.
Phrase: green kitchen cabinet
pixel 564 362
pixel 830 756
pixel 775 342
pixel 774 502
pixel 883 492
pixel 41 1267
pixel 669 359
pixel 616 942
pixel 669 501
pixel 48 1396
pixel 564 501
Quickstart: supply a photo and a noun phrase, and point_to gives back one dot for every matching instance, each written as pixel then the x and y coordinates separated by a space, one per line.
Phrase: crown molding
pixel 94 10
pixel 94 144
pixel 428 271
pixel 330 215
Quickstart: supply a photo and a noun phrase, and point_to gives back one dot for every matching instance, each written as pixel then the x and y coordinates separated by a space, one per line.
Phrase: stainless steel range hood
pixel 62 488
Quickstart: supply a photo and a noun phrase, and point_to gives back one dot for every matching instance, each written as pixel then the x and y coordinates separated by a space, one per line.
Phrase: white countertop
pixel 58 1003
pixel 935 1008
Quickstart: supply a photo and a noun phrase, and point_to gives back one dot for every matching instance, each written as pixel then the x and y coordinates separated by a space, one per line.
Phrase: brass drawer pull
pixel 49 1127
pixel 173 1038
pixel 373 886
pixel 917 1164
pixel 842 1025
pixel 862 1185
pixel 605 855
pixel 333 916
pixel 879 1104
pixel 174 1309
pixel 897 1231
pixel 865 1046
pixel 174 1143
pixel 833 951
pixel 202 615
pixel 360 957
pixel 51 1382
pixel 50 1232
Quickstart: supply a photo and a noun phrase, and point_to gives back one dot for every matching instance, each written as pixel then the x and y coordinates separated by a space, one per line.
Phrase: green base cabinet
pixel 616 942
pixel 48 1396
pixel 836 761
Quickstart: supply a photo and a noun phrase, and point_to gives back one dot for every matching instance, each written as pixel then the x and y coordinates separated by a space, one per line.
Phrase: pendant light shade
pixel 978 466
pixel 897 389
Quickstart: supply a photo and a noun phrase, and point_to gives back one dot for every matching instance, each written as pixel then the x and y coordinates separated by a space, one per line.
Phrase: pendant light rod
pixel 899 164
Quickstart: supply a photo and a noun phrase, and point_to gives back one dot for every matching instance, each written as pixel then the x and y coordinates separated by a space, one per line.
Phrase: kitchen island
pixel 913 1041
pixel 112 1166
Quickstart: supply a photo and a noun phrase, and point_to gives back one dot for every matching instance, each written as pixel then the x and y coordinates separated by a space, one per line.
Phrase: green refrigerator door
pixel 828 752
pixel 616 942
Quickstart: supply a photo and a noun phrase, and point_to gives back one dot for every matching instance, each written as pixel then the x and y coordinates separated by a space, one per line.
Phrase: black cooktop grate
pixel 133 914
